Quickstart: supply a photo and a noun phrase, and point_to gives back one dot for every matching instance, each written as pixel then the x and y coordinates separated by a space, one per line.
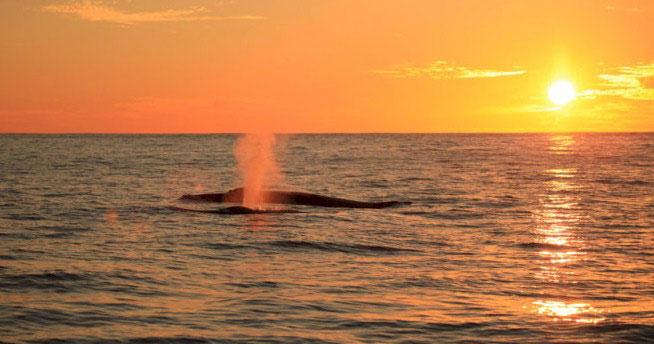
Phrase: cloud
pixel 623 9
pixel 532 108
pixel 628 82
pixel 101 12
pixel 444 70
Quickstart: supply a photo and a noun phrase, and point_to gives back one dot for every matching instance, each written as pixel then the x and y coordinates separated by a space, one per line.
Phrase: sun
pixel 561 92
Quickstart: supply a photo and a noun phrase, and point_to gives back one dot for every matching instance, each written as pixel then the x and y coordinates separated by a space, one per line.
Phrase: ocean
pixel 510 238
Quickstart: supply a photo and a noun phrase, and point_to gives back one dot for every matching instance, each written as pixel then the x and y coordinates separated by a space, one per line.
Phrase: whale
pixel 235 210
pixel 290 197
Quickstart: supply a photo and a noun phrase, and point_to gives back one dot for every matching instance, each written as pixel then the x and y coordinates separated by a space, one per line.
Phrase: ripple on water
pixel 34 317
pixel 188 340
pixel 544 246
pixel 501 226
pixel 56 281
pixel 360 249
pixel 80 282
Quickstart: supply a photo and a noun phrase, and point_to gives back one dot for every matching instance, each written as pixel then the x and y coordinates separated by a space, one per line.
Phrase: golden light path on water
pixel 558 229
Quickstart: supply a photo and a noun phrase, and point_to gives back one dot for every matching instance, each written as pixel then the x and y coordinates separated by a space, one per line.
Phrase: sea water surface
pixel 533 238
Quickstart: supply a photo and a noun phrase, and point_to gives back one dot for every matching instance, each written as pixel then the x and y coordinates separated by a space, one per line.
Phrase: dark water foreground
pixel 510 238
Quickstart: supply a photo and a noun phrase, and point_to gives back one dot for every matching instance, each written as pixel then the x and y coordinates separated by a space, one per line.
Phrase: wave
pixel 184 340
pixel 66 282
pixel 381 325
pixel 415 179
pixel 24 217
pixel 302 245
pixel 336 247
pixel 24 316
pixel 624 332
pixel 615 181
pixel 497 203
pixel 224 246
pixel 418 282
pixel 260 284
pixel 58 281
pixel 544 246
pixel 454 214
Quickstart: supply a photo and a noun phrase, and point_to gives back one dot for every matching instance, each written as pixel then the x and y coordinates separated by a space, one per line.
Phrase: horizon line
pixel 332 133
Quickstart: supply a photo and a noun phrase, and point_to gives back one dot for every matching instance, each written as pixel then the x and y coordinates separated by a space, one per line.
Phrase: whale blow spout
pixel 290 197
pixel 255 157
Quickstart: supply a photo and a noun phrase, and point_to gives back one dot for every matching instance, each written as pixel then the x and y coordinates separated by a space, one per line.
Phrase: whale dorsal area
pixel 236 210
pixel 289 197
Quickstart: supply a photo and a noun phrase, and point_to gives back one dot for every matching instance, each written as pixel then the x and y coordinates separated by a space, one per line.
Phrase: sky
pixel 289 66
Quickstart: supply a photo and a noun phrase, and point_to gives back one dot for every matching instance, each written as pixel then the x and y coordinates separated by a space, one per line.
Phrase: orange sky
pixel 324 66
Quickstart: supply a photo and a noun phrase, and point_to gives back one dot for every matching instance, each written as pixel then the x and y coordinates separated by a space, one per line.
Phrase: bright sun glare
pixel 562 92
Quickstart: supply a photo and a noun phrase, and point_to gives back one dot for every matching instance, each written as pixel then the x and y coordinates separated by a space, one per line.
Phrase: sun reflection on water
pixel 561 311
pixel 561 144
pixel 557 185
pixel 556 240
pixel 562 172
pixel 558 230
pixel 560 257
